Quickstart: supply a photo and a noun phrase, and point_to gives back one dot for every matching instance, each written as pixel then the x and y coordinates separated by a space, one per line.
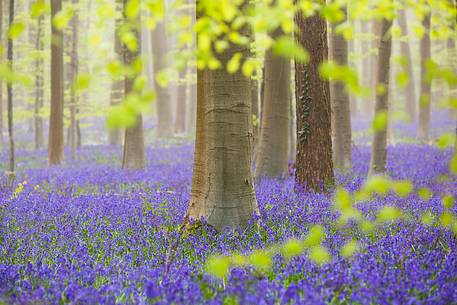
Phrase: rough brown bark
pixel 159 53
pixel 11 175
pixel 73 73
pixel 181 103
pixel 133 157
pixel 341 107
pixel 39 99
pixel 117 85
pixel 379 145
pixel 56 139
pixel 255 116
pixel 222 187
pixel 423 132
pixel 410 91
pixel 314 166
pixel 272 155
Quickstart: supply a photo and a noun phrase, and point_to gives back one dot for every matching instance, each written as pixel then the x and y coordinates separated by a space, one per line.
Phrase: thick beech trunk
pixel 314 166
pixel 133 157
pixel 222 185
pixel 379 145
pixel 272 155
pixel 56 139
pixel 425 107
pixel 410 91
pixel 341 107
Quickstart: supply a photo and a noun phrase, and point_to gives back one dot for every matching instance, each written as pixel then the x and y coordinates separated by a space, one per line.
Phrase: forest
pixel 228 152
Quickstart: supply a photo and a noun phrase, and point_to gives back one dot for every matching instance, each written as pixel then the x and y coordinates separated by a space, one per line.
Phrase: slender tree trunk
pixel 423 132
pixel 272 156
pixel 159 52
pixel 39 100
pixel 379 145
pixel 133 157
pixel 56 140
pixel 181 103
pixel 1 83
pixel 74 73
pixel 11 174
pixel 341 107
pixel 222 185
pixel 366 106
pixel 452 59
pixel 410 91
pixel 117 85
pixel 314 166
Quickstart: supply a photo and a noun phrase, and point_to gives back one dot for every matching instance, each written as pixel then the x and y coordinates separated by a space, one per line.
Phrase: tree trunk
pixel 56 140
pixel 341 107
pixel 117 85
pixel 452 59
pixel 255 116
pixel 410 92
pixel 272 156
pixel 181 103
pixel 366 106
pixel 133 157
pixel 314 166
pixel 74 73
pixel 11 173
pixel 159 52
pixel 423 132
pixel 379 145
pixel 39 83
pixel 1 83
pixel 222 185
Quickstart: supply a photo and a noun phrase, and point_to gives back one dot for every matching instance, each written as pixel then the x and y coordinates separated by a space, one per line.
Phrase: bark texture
pixel 314 166
pixel 410 91
pixel 379 145
pixel 56 139
pixel 341 105
pixel 159 52
pixel 272 156
pixel 133 157
pixel 222 185
pixel 423 133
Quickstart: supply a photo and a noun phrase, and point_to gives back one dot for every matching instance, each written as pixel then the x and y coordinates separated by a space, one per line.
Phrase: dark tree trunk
pixel 56 139
pixel 314 166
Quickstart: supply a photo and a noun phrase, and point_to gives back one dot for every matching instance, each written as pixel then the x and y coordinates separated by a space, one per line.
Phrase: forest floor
pixel 90 233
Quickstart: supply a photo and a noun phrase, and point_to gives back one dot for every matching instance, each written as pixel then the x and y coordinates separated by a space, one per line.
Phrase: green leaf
pixel 402 188
pixel 16 30
pixel 453 164
pixel 445 140
pixel 162 78
pixel 218 266
pixel 320 255
pixel 38 8
pixel 427 218
pixel 234 63
pixel 448 201
pixel 380 121
pixel 343 200
pixel 349 249
pixel 292 248
pixel 261 260
pixel 286 47
pixel 388 213
pixel 379 184
pixel 82 82
pixel 446 219
pixel 424 193
pixel 315 236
